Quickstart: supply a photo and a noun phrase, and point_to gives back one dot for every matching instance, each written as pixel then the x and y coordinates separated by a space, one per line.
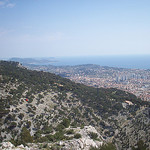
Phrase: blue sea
pixel 133 62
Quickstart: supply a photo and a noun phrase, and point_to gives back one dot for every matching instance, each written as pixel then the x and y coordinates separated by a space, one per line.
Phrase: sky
pixel 55 28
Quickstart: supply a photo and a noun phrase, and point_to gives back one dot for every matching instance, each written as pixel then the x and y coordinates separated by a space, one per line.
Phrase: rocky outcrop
pixel 79 144
pixel 10 146
pixel 85 142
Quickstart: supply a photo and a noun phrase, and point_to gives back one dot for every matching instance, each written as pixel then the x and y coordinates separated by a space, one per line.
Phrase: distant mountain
pixel 41 107
pixel 35 61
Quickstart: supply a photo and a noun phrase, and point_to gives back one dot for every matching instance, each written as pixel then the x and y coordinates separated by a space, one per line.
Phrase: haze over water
pixel 132 61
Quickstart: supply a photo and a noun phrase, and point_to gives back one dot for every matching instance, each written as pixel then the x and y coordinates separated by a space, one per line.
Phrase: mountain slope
pixel 40 102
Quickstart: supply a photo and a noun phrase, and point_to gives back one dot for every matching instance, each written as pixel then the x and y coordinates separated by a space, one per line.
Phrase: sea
pixel 120 61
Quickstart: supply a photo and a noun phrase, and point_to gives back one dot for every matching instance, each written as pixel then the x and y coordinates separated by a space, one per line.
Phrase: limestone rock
pixel 7 146
pixel 10 146
pixel 85 142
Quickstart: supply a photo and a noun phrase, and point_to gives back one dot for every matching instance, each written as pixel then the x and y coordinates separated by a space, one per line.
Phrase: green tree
pixel 140 146
pixel 66 122
pixel 26 136
pixel 77 136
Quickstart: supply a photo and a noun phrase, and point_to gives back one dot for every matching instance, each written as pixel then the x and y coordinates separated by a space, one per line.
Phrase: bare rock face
pixel 7 145
pixel 85 142
pixel 10 146
pixel 79 144
pixel 85 132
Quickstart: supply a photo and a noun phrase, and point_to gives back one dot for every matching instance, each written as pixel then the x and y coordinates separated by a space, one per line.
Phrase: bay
pixel 120 61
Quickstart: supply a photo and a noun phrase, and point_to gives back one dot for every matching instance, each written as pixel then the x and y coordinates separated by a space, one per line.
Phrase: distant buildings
pixel 135 81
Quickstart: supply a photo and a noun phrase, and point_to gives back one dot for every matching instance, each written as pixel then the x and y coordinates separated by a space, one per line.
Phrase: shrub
pixel 12 125
pixel 59 136
pixel 60 127
pixel 55 147
pixel 42 139
pixel 65 122
pixel 71 131
pixel 21 116
pixel 74 124
pixel 28 124
pixel 77 136
pixel 140 146
pixel 37 135
pixel 26 136
pixel 108 146
pixel 93 135
pixel 47 129
pixel 50 138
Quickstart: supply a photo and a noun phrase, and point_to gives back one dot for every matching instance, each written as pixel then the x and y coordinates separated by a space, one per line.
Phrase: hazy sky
pixel 46 28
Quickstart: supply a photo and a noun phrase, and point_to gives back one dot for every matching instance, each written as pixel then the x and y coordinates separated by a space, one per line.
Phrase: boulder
pixel 7 145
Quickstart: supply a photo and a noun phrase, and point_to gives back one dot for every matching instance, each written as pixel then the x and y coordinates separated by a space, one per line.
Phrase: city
pixel 135 81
